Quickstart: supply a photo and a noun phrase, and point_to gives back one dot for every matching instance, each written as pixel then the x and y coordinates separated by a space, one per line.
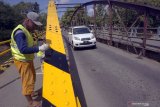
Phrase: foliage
pixel 43 18
pixel 147 2
pixel 66 17
pixel 11 16
pixel 80 18
pixel 6 20
pixel 100 14
pixel 153 21
pixel 128 16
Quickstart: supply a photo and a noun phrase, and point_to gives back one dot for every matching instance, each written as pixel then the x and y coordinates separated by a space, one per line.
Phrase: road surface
pixel 111 77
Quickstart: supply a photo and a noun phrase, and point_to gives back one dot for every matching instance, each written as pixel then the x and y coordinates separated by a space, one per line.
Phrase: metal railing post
pixel 110 24
pixel 144 35
pixel 94 8
pixel 158 31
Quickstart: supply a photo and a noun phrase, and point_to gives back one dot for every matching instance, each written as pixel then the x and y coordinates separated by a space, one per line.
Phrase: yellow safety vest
pixel 14 49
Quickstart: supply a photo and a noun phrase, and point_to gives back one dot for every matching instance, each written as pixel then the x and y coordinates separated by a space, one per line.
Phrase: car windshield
pixel 80 30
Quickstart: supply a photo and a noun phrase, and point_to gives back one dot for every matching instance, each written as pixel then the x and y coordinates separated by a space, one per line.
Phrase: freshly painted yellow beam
pixel 57 87
pixel 4 52
pixel 3 42
pixel 53 29
pixel 57 84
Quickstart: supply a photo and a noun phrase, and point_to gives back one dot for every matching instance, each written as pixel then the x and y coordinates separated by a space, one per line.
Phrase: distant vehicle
pixel 81 36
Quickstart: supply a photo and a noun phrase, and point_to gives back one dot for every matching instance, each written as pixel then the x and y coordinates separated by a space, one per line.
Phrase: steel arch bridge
pixel 60 83
pixel 53 33
pixel 150 10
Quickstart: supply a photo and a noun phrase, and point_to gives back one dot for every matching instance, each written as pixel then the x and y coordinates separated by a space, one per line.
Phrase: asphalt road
pixel 111 77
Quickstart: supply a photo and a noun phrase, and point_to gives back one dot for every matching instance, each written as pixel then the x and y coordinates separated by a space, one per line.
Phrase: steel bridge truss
pixel 144 10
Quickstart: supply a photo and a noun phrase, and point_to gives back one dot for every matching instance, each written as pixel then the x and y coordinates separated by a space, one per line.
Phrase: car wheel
pixel 68 41
pixel 95 46
pixel 74 48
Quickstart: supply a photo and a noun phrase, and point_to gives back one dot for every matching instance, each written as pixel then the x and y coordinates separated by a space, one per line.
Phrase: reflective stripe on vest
pixel 14 49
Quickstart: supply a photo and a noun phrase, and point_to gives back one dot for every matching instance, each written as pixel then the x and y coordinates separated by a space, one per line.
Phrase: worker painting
pixel 23 49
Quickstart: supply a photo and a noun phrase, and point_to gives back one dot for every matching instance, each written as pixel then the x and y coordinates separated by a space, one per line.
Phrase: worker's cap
pixel 34 17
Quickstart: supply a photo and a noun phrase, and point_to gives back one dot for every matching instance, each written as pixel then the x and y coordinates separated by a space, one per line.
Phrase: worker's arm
pixel 21 42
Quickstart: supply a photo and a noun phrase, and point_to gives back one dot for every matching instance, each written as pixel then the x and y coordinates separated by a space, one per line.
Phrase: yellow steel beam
pixel 57 84
pixel 7 41
pixel 6 64
pixel 4 52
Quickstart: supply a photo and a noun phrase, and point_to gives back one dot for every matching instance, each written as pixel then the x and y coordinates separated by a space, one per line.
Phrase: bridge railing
pixel 2 52
pixel 134 37
pixel 5 58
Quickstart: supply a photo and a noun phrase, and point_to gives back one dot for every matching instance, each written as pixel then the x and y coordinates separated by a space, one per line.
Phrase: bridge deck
pixel 10 83
pixel 10 87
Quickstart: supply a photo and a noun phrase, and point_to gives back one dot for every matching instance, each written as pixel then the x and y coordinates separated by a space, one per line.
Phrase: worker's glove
pixel 43 47
pixel 41 54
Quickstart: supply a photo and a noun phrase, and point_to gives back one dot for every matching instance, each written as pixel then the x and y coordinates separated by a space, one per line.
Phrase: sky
pixel 44 3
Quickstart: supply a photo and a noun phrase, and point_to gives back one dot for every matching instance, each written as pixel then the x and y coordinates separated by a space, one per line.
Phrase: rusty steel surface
pixel 110 23
pixel 138 7
pixel 145 34
pixel 142 9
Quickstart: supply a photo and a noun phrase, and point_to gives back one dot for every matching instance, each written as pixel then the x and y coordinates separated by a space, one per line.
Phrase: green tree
pixel 43 19
pixel 22 8
pixel 100 14
pixel 129 15
pixel 79 18
pixel 148 2
pixel 66 17
pixel 11 16
pixel 6 20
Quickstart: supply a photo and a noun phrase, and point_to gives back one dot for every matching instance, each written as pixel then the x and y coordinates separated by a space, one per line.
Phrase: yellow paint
pixel 57 84
pixel 4 52
pixel 78 103
pixel 57 87
pixel 53 27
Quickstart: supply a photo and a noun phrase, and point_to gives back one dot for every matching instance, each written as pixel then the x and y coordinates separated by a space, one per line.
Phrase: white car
pixel 81 36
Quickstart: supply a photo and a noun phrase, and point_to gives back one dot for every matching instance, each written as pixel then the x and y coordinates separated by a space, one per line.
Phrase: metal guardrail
pixel 6 64
pixel 135 41
pixel 5 51
pixel 4 42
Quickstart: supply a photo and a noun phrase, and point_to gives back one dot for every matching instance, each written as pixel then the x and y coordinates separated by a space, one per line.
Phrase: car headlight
pixel 76 38
pixel 92 37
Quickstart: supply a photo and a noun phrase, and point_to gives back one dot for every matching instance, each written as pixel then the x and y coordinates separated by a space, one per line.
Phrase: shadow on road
pixel 86 48
pixel 1 71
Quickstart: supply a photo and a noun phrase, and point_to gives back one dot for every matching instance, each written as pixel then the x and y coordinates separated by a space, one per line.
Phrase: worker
pixel 23 49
